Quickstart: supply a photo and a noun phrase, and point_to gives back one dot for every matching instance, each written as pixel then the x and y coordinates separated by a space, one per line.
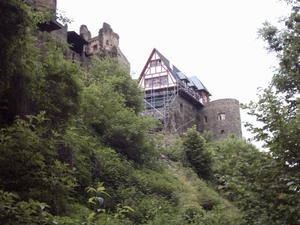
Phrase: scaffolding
pixel 163 83
pixel 160 103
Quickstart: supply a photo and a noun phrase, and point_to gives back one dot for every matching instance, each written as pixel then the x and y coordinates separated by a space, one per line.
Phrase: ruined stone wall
pixel 62 35
pixel 85 33
pixel 105 44
pixel 222 117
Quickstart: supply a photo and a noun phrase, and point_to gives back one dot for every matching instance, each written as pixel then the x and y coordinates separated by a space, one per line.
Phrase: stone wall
pixel 184 114
pixel 222 117
pixel 85 33
pixel 178 116
pixel 62 36
pixel 49 4
pixel 105 44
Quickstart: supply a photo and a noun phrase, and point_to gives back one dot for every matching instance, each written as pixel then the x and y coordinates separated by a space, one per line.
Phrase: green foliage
pixel 117 120
pixel 99 214
pixel 233 157
pixel 34 73
pixel 277 173
pixel 277 111
pixel 220 215
pixel 197 153
pixel 17 21
pixel 110 72
pixel 236 165
pixel 55 88
pixel 14 211
pixel 156 183
pixel 111 168
pixel 207 135
pixel 64 129
pixel 171 147
pixel 29 164
pixel 62 17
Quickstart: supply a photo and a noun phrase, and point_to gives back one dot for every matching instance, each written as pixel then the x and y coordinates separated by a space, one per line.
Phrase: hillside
pixel 74 148
pixel 65 131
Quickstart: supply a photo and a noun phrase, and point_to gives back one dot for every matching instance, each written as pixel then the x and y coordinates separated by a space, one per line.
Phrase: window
pixel 156 81
pixel 221 116
pixel 181 108
pixel 222 131
pixel 164 80
pixel 148 82
pixel 155 62
pixel 205 119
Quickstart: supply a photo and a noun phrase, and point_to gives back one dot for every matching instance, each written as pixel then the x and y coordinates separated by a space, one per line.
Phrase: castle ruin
pixel 83 46
pixel 178 101
pixel 105 44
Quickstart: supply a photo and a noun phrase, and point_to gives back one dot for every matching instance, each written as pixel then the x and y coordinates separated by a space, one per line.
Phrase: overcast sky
pixel 213 40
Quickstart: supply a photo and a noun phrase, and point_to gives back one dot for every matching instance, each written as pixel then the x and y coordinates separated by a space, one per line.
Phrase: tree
pixel 236 167
pixel 17 21
pixel 29 164
pixel 39 95
pixel 197 153
pixel 35 76
pixel 109 71
pixel 277 111
pixel 111 105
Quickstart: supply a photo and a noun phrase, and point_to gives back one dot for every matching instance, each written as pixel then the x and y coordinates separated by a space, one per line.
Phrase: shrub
pixel 197 153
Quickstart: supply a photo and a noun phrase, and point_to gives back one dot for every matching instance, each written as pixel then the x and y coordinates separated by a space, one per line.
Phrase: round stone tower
pixel 221 117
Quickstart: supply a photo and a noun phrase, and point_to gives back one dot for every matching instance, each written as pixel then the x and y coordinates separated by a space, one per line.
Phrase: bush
pixel 197 153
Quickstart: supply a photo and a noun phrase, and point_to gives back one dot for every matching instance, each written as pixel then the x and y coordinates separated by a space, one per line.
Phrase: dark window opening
pixel 222 131
pixel 205 119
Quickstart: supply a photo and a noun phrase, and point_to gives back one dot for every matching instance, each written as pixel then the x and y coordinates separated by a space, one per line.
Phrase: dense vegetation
pixel 74 150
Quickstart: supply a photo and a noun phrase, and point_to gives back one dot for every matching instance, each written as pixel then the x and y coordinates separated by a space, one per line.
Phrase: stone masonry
pixel 221 117
pixel 105 44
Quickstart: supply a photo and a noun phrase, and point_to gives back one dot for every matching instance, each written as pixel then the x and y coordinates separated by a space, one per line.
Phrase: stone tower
pixel 221 117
